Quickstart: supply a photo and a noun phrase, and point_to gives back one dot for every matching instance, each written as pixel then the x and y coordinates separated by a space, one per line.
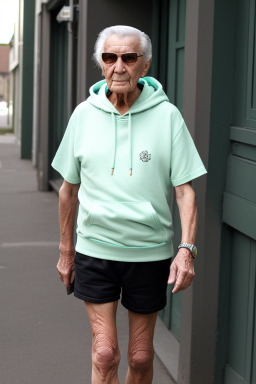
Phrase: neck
pixel 123 101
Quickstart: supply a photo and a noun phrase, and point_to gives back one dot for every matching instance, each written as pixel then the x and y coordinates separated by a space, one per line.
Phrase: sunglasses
pixel 127 58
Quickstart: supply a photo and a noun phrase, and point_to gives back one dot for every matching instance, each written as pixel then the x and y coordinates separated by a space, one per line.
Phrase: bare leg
pixel 105 350
pixel 140 349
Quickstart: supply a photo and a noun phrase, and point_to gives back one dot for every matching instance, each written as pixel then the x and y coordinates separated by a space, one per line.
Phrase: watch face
pixel 194 251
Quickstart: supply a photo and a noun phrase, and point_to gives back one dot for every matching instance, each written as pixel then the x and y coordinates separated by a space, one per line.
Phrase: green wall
pixel 27 79
pixel 234 125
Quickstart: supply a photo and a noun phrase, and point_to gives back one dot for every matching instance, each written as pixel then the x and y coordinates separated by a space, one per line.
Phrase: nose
pixel 119 68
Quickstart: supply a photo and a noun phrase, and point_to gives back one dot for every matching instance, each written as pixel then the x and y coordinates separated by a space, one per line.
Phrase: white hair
pixel 121 30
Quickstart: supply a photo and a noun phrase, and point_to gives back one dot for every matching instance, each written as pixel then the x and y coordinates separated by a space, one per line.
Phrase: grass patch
pixel 3 131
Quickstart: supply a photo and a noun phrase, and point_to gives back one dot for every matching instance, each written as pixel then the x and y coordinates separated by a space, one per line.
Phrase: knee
pixel 106 357
pixel 141 360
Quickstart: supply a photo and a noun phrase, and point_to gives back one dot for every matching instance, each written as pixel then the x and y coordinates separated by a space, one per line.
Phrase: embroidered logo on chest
pixel 145 156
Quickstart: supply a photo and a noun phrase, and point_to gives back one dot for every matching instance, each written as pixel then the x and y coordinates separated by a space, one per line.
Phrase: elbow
pixel 68 191
pixel 185 193
pixel 192 195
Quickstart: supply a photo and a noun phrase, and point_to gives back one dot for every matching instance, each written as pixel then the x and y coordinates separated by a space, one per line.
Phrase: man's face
pixel 122 77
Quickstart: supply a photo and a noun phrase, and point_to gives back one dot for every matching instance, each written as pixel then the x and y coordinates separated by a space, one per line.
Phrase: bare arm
pixel 182 268
pixel 68 200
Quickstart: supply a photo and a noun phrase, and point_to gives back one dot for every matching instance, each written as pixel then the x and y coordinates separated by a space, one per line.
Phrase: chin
pixel 120 88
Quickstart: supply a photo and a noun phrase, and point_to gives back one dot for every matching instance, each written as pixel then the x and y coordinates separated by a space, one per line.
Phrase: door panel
pixel 241 349
pixel 239 205
pixel 232 377
pixel 240 354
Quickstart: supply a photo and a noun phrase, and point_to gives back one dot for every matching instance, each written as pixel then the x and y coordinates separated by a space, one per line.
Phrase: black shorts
pixel 143 284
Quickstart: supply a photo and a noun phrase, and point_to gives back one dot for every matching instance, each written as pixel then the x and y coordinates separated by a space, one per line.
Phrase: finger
pixel 64 275
pixel 187 282
pixel 59 269
pixel 188 279
pixel 179 282
pixel 173 274
pixel 72 276
pixel 190 276
pixel 66 280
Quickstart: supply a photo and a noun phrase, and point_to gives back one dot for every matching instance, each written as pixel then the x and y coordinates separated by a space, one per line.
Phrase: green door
pixel 168 68
pixel 240 360
pixel 239 211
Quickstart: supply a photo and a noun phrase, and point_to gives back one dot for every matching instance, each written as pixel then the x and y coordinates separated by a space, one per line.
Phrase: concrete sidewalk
pixel 45 334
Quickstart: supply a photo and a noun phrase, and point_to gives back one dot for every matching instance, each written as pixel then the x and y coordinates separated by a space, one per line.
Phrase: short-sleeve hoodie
pixel 127 166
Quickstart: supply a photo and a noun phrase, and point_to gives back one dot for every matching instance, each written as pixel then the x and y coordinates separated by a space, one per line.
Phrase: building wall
pixel 4 72
pixel 4 58
pixel 27 78
pixel 16 57
pixel 36 82
pixel 4 87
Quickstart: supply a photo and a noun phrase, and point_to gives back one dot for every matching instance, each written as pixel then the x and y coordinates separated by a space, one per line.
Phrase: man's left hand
pixel 182 270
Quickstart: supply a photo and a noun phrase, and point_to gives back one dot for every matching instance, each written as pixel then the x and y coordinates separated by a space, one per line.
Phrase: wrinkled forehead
pixel 122 44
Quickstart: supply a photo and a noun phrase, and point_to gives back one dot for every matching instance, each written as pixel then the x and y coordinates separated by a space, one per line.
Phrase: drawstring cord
pixel 130 143
pixel 115 142
pixel 115 133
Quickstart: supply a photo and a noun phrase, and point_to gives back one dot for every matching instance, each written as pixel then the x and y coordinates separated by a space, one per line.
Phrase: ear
pixel 146 68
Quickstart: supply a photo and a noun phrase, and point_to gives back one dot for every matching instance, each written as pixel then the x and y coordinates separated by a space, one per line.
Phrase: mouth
pixel 120 80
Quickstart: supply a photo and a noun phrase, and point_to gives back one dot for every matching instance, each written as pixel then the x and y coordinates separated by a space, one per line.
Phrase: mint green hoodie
pixel 127 166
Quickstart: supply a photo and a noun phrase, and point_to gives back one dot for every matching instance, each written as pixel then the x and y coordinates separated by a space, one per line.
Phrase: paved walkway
pixel 45 335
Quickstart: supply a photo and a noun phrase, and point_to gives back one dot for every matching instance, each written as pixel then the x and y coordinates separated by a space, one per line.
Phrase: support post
pixel 27 79
pixel 199 318
pixel 44 104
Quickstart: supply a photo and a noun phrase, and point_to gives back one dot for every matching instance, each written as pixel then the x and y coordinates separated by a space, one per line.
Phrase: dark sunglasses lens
pixel 109 58
pixel 129 58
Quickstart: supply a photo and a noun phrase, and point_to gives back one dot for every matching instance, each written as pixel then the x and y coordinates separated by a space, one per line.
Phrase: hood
pixel 151 95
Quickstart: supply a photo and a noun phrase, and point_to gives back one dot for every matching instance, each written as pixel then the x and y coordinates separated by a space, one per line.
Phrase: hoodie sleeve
pixel 65 161
pixel 186 163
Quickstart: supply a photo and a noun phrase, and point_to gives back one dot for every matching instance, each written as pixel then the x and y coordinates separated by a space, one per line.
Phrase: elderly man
pixel 124 150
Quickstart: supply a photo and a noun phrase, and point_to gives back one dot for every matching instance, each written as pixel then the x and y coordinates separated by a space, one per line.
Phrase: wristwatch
pixel 191 247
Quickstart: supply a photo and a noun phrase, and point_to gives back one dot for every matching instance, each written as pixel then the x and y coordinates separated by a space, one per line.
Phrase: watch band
pixel 191 247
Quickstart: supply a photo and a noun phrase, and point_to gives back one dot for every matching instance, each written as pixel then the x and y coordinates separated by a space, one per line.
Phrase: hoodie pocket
pixel 125 224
